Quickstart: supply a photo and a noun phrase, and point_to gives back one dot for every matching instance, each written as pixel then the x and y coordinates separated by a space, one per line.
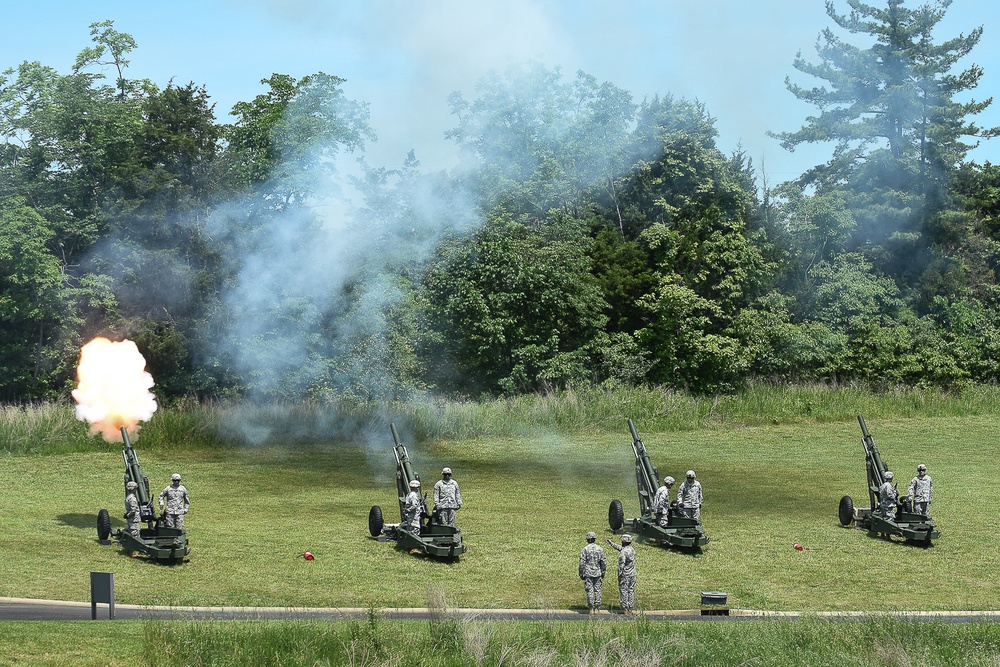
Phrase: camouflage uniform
pixel 593 564
pixel 690 498
pixel 626 576
pixel 921 492
pixel 412 506
pixel 132 513
pixel 178 504
pixel 447 499
pixel 887 497
pixel 661 505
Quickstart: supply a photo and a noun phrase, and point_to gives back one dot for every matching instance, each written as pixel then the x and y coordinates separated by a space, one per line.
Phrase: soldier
pixel 661 501
pixel 690 497
pixel 921 491
pixel 593 564
pixel 626 573
pixel 178 503
pixel 447 498
pixel 887 497
pixel 412 506
pixel 132 513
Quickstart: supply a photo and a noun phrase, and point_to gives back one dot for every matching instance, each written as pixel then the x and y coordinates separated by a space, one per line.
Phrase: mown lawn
pixel 529 502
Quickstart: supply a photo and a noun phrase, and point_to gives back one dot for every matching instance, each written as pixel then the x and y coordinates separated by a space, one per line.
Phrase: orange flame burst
pixel 113 388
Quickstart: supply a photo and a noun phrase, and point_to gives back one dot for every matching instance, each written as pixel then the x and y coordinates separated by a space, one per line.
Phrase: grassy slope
pixel 529 502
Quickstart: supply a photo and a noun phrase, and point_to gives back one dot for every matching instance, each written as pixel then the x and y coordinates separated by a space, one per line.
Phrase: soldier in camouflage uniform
pixel 447 498
pixel 412 507
pixel 887 497
pixel 921 491
pixel 132 513
pixel 661 501
pixel 178 503
pixel 593 564
pixel 626 573
pixel 690 497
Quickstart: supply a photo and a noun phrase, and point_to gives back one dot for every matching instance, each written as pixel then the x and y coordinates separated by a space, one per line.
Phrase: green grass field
pixel 529 501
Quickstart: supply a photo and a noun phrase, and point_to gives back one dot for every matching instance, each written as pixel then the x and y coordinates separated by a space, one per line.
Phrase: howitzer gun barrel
pixel 645 474
pixel 874 464
pixel 133 473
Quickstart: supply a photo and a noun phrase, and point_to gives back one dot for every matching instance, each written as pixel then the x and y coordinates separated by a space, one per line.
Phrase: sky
pixel 405 57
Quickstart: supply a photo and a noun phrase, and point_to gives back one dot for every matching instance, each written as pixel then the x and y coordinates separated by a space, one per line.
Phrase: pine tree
pixel 890 111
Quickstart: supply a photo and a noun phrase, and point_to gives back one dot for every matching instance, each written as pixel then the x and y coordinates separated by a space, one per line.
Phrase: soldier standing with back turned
pixel 178 503
pixel 593 564
pixel 626 573
pixel 447 498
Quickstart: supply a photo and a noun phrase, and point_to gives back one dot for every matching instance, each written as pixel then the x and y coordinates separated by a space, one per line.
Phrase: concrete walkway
pixel 28 609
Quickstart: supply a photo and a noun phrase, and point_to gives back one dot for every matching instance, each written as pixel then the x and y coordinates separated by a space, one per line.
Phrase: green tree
pixel 512 309
pixel 283 142
pixel 891 113
pixel 534 141
pixel 40 307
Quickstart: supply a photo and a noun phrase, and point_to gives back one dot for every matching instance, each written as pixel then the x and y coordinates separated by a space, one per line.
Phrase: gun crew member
pixel 661 501
pixel 690 497
pixel 177 501
pixel 626 573
pixel 593 564
pixel 921 491
pixel 412 507
pixel 888 497
pixel 132 513
pixel 447 498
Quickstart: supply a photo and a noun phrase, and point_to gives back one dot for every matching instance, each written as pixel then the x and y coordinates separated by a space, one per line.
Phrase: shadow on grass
pixel 88 521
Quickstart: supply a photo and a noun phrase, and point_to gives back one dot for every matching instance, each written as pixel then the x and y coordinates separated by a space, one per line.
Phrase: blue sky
pixel 405 57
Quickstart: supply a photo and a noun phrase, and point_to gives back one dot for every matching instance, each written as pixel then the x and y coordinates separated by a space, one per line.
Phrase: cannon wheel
pixel 375 521
pixel 846 511
pixel 616 515
pixel 103 525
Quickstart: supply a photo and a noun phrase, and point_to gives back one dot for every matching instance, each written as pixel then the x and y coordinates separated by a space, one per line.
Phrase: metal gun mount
pixel 903 522
pixel 157 541
pixel 679 531
pixel 433 538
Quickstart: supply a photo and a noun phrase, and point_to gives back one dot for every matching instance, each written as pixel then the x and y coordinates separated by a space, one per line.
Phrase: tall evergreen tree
pixel 891 113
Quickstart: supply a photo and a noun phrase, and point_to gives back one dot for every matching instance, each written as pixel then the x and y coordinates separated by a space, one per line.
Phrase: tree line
pixel 585 237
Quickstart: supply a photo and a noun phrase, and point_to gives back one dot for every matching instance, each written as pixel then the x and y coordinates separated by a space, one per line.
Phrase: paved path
pixel 26 609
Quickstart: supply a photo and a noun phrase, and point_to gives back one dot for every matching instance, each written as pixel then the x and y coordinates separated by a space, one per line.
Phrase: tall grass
pixel 52 428
pixel 877 641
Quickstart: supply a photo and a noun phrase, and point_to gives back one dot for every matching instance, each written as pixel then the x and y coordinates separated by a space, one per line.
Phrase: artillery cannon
pixel 679 531
pixel 433 537
pixel 903 521
pixel 157 541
